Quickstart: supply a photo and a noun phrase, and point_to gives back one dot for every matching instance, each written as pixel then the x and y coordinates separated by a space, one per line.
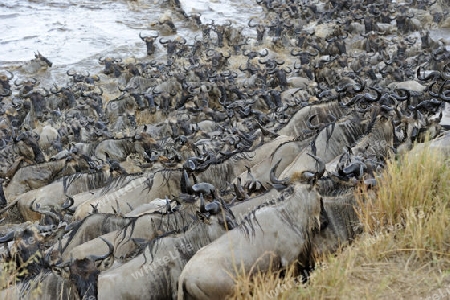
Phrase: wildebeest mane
pixel 247 225
pixel 162 225
pixel 68 180
pixel 118 182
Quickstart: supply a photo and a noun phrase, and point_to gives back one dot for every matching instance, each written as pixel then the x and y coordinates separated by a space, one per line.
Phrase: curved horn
pixel 68 203
pixel 295 54
pixel 331 39
pixel 6 93
pixel 142 37
pixel 314 54
pixel 69 74
pixel 12 75
pixel 162 41
pixel 110 252
pixel 7 237
pixel 320 165
pixel 402 98
pixel 250 25
pixel 273 178
pixel 311 126
pixel 430 89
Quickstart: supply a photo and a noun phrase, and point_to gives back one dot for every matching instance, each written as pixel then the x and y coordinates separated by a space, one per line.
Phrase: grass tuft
pixel 404 251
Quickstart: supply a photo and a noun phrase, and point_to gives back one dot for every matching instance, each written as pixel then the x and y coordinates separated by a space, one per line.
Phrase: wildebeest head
pixel 4 83
pixel 27 85
pixel 38 101
pixel 150 42
pixel 43 59
pixel 25 252
pixel 111 65
pixel 84 272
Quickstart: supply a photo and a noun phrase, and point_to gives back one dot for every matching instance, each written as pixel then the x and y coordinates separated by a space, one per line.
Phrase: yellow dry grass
pixel 9 276
pixel 404 252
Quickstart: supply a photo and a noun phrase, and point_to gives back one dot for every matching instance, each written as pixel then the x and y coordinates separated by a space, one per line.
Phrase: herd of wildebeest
pixel 165 176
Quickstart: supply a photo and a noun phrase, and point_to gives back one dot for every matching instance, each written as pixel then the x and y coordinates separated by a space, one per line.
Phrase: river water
pixel 74 33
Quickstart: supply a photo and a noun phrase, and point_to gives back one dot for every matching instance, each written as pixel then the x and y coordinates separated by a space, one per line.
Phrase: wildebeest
pixel 283 227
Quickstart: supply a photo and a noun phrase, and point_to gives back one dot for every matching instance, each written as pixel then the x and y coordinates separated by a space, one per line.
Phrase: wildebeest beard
pixel 84 274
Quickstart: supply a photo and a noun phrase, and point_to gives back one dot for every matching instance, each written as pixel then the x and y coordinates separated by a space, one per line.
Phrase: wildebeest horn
pixel 110 252
pixel 191 91
pixel 47 92
pixel 46 228
pixel 56 91
pixel 7 237
pixel 445 96
pixel 250 25
pixel 162 41
pixel 314 54
pixel 402 98
pixel 195 38
pixel 295 66
pixel 6 93
pixel 309 125
pixel 243 70
pixel 27 95
pixel 320 165
pixel 273 178
pixel 430 89
pixel 51 215
pixel 12 75
pixel 68 203
pixel 295 54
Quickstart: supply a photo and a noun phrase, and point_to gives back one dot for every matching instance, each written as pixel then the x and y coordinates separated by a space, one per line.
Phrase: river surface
pixel 74 33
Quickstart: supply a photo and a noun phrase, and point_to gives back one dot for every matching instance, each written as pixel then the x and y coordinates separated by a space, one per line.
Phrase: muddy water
pixel 74 33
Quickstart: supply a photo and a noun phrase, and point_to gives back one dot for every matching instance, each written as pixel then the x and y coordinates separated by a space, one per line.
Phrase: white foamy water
pixel 71 31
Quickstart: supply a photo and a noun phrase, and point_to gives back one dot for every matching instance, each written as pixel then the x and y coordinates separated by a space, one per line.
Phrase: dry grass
pixel 404 252
pixel 9 277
